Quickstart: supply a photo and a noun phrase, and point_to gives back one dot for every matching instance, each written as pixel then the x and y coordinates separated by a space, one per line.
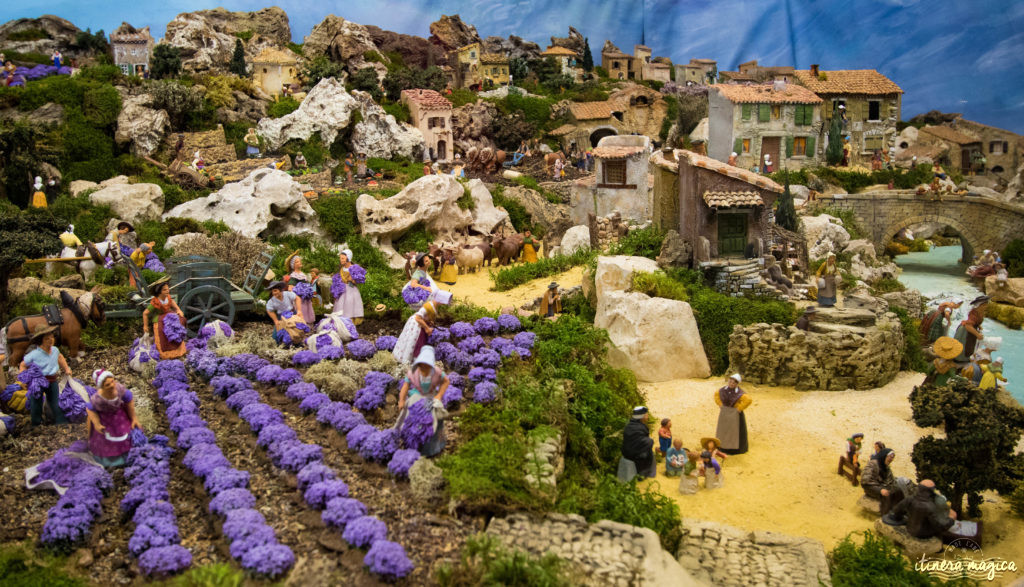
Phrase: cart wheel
pixel 206 304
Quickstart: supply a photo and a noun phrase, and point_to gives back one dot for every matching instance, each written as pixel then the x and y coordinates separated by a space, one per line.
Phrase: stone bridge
pixel 982 223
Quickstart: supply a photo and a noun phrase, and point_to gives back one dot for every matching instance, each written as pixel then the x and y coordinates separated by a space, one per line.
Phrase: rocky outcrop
pixel 141 126
pixel 49 114
pixel 862 247
pixel 342 41
pixel 675 251
pixel 134 202
pixel 545 461
pixel 908 300
pixel 271 23
pixel 80 186
pixel 246 108
pixel 574 41
pixel 616 273
pixel 871 272
pixel 575 239
pixel 266 203
pixel 553 217
pixel 1011 293
pixel 914 547
pixel 329 109
pixel 832 238
pixel 514 47
pixel 599 554
pixel 21 287
pixel 844 349
pixel 431 200
pixel 173 241
pixel 206 38
pixel 450 33
pixel 471 125
pixel 59 34
pixel 486 217
pixel 415 51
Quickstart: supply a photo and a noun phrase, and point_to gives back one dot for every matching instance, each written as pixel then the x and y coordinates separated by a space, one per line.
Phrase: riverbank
pixel 787 482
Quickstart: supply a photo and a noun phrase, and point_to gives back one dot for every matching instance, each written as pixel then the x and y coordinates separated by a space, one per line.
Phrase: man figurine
pixel 300 161
pixel 924 516
pixel 804 322
pixel 252 143
pixel 637 444
pixel 551 302
pixel 349 166
pixel 852 448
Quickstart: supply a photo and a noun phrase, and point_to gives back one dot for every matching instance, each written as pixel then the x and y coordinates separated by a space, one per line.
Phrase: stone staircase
pixel 739 277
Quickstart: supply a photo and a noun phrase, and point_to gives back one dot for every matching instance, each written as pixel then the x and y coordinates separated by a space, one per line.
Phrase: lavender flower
pixel 328 412
pixel 462 330
pixel 247 363
pixel 34 380
pixel 378 379
pixel 188 421
pixel 231 499
pixel 297 456
pixel 165 560
pixel 361 349
pixel 418 426
pixel 414 295
pixel 471 344
pixel 509 323
pixel 72 405
pixel 153 263
pixel 385 343
pixel 357 273
pixel 172 328
pixel 388 559
pixel 275 433
pixel 259 415
pixel 237 520
pixel 379 446
pixel 455 379
pixel 337 286
pixel 138 437
pixel 197 343
pixel 223 478
pixel 304 290
pixel 329 353
pixel 347 420
pixel 369 398
pixel 298 391
pixel 271 560
pixel 486 326
pixel 499 344
pixel 246 539
pixel 303 358
pixel 358 435
pixel 154 533
pixel 364 531
pixel 402 461
pixel 318 494
pixel 269 374
pixel 288 376
pixel 190 437
pixel 8 392
pixel 314 472
pixel 452 396
pixel 178 410
pixel 523 352
pixel 226 385
pixel 459 361
pixel 439 335
pixel 242 398
pixel 524 339
pixel 484 392
pixel 153 508
pixel 202 459
pixel 486 358
pixel 342 510
pixel 150 488
pixel 478 374
pixel 313 401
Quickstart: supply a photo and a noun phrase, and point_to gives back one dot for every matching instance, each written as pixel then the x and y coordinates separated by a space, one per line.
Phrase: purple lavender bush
pixel 243 398
pixel 462 330
pixel 388 559
pixel 172 329
pixel 299 391
pixel 318 494
pixel 369 398
pixel 484 392
pixel 341 510
pixel 471 344
pixel 478 374
pixel 347 420
pixel 232 499
pixel 486 326
pixel 165 560
pixel 304 358
pixel 275 433
pixel 304 290
pixel 364 531
pixel 524 340
pixel 358 435
pixel 226 385
pixel 439 335
pixel 499 345
pixel 313 401
pixel 190 437
pixel 314 472
pixel 509 323
pixel 402 461
pixel 223 478
pixel 452 397
pixel 271 560
pixel 259 415
pixel 487 358
pixel 385 343
pixel 379 446
pixel 330 353
pixel 361 349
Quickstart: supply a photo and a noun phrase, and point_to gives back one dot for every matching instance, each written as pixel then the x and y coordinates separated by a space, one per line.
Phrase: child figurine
pixel 675 459
pixel 713 478
pixel 852 448
pixel 712 444
pixel 665 436
pixel 1001 275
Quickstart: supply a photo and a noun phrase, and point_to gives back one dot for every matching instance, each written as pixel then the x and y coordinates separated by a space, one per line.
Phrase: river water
pixel 938 276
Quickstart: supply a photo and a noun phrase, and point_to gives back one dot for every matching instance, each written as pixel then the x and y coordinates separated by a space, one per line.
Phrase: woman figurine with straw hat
pixel 943 367
pixel 551 301
pixel 159 306
pixel 713 446
pixel 414 336
pixel 50 361
pixel 969 332
pixel 732 422
pixel 295 276
pixel 425 382
pixel 350 301
pixel 111 416
pixel 828 275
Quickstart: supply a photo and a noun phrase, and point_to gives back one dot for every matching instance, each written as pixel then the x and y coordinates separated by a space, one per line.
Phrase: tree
pixel 237 65
pixel 165 61
pixel 510 130
pixel 27 235
pixel 785 216
pixel 176 99
pixel 518 69
pixel 978 452
pixel 834 151
pixel 366 80
pixel 322 67
pixel 405 78
pixel 588 57
pixel 19 159
pixel 87 41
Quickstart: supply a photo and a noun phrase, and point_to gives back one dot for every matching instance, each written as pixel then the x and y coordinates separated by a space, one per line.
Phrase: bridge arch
pixel 968 244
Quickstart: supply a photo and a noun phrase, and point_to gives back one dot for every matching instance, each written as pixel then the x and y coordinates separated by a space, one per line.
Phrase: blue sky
pixel 948 55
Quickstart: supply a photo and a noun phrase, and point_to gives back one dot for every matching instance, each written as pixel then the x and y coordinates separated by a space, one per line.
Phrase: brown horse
pixel 76 314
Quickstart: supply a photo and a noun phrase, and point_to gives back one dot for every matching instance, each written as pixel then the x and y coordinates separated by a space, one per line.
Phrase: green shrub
pixel 912 358
pixel 487 470
pixel 485 561
pixel 175 226
pixel 28 35
pixel 116 275
pixel 90 221
pixel 461 97
pixel 110 334
pixel 337 214
pixel 517 214
pixel 919 245
pixel 659 285
pixel 406 171
pixel 30 56
pixel 628 504
pixel 670 117
pixel 645 242
pixel 399 110
pixel 1016 500
pixel 28 567
pixel 32 304
pixel 507 278
pixel 1013 256
pixel 244 35
pixel 217 575
pixel 102 105
pixel 466 201
pixel 283 106
pixel 536 111
pixel 876 561
pixel 417 238
pixel 578 305
pixel 155 231
pixel 888 285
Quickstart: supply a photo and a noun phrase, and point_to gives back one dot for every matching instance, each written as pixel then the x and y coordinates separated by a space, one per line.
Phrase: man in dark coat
pixel 804 322
pixel 637 444
pixel 924 515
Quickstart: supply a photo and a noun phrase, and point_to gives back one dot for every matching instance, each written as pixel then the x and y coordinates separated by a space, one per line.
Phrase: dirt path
pixel 475 288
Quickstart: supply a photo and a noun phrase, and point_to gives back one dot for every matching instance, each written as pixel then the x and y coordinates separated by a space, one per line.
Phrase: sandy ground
pixel 475 288
pixel 787 482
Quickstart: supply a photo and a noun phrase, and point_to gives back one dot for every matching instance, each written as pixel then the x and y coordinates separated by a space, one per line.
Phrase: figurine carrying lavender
pixel 299 283
pixel 344 288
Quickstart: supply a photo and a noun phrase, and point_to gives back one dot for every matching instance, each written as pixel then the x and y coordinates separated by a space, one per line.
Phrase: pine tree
pixel 834 152
pixel 785 216
pixel 165 61
pixel 588 57
pixel 237 65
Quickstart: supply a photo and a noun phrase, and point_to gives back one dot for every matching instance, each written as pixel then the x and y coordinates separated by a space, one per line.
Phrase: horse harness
pixel 53 317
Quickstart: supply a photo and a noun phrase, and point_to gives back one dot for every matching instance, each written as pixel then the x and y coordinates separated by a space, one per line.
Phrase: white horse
pixel 88 267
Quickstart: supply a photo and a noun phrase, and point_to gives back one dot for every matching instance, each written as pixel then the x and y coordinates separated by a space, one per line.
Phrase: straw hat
pixel 947 348
pixel 430 308
pixel 380 308
pixel 288 261
pixel 704 442
pixel 127 225
pixel 154 288
pixel 276 285
pixel 40 331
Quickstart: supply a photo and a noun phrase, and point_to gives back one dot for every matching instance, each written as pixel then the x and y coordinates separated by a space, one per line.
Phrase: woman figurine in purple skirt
pixel 295 276
pixel 111 415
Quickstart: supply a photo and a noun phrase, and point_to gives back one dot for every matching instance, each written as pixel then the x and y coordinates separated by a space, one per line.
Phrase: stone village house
pixel 568 61
pixel 633 109
pixel 476 70
pixel 722 210
pixel 638 66
pixel 620 183
pixel 273 68
pixel 698 72
pixel 872 103
pixel 959 151
pixel 132 48
pixel 431 112
pixel 1001 148
pixel 777 119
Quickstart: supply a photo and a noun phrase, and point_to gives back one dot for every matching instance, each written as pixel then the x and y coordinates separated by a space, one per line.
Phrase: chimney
pixel 814 69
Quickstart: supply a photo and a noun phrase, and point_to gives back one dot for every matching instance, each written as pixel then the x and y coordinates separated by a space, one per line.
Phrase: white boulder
pixel 486 217
pixel 141 125
pixel 133 202
pixel 616 273
pixel 833 238
pixel 862 247
pixel 574 239
pixel 267 203
pixel 172 241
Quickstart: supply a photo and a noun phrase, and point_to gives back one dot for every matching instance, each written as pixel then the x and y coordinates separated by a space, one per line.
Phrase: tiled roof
pixel 848 81
pixel 767 94
pixel 659 65
pixel 427 99
pixel 563 130
pixel 591 110
pixel 736 76
pixel 555 50
pixel 732 199
pixel 710 164
pixel 493 58
pixel 464 47
pixel 277 56
pixel 615 55
pixel 947 134
pixel 616 152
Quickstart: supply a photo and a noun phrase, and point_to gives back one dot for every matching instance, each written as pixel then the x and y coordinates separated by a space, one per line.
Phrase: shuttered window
pixel 737 146
pixel 799 146
pixel 764 113
pixel 789 146
pixel 809 150
pixel 745 109
pixel 804 114
pixel 746 145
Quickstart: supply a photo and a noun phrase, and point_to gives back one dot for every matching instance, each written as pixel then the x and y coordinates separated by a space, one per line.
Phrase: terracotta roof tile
pixel 271 55
pixel 732 199
pixel 947 134
pixel 615 55
pixel 616 152
pixel 848 81
pixel 559 51
pixel 427 99
pixel 710 164
pixel 736 76
pixel 493 58
pixel 563 130
pixel 591 110
pixel 767 94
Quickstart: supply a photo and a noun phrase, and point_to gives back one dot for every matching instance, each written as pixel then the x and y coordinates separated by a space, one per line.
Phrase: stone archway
pixel 601 133
pixel 968 244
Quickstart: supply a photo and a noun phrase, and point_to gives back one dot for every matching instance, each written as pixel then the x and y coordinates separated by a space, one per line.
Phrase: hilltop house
pixel 778 119
pixel 494 70
pixel 620 181
pixel 567 59
pixel 431 112
pixel 1001 148
pixel 723 210
pixel 477 70
pixel 273 69
pixel 132 48
pixel 959 152
pixel 760 73
pixel 698 72
pixel 638 66
pixel 633 109
pixel 616 63
pixel 871 103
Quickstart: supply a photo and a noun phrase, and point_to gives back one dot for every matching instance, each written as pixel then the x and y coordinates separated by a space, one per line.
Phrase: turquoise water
pixel 938 276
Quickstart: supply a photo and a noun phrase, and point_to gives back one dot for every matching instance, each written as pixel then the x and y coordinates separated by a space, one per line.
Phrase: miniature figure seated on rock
pixel 926 514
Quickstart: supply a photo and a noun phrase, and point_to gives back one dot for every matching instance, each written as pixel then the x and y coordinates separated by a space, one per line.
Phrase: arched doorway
pixel 442 150
pixel 601 133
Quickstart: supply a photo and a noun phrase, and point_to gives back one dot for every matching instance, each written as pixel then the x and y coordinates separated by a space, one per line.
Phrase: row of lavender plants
pixel 71 519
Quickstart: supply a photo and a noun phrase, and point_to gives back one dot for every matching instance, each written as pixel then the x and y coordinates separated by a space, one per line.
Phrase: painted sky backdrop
pixel 948 55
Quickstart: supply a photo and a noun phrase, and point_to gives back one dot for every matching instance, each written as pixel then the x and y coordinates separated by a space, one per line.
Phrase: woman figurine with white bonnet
pixel 295 276
pixel 732 422
pixel 111 416
pixel 39 197
pixel 350 302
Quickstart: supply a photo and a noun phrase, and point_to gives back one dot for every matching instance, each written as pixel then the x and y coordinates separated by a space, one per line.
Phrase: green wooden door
pixel 732 234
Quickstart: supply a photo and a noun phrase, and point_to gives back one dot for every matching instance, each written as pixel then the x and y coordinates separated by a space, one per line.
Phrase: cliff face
pixel 53 32
pixel 206 38
pixel 415 51
pixel 271 23
pixel 450 33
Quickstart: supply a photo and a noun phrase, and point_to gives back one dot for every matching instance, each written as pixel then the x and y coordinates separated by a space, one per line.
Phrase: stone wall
pixel 717 554
pixel 600 554
pixel 844 349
